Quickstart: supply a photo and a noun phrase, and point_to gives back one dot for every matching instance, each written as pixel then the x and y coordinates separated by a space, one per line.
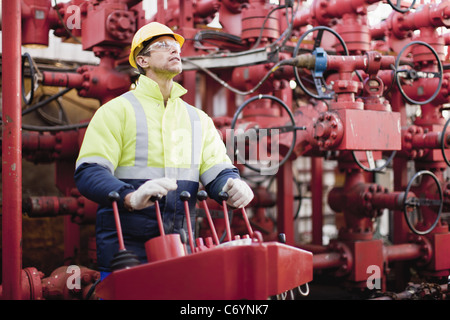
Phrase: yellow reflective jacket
pixel 136 137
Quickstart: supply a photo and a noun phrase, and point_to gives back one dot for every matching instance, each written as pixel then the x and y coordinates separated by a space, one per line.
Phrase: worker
pixel 149 142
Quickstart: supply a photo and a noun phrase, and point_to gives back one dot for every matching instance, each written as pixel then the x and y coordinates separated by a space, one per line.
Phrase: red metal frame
pixel 11 151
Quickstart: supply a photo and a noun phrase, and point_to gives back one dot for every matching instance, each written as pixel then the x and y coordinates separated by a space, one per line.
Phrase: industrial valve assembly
pixel 294 88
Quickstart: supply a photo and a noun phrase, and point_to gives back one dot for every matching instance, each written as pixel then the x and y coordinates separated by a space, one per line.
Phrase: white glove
pixel 239 193
pixel 140 198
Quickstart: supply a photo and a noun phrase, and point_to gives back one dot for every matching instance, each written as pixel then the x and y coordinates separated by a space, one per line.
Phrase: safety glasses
pixel 163 46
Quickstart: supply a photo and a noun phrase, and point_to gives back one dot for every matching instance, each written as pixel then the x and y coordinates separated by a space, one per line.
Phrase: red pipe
pixel 400 252
pixel 11 151
pixel 327 260
pixel 317 199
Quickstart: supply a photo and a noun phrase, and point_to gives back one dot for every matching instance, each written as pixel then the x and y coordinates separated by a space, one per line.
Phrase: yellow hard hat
pixel 147 32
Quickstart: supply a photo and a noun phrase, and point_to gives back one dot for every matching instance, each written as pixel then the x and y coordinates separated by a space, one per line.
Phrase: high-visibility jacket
pixel 134 138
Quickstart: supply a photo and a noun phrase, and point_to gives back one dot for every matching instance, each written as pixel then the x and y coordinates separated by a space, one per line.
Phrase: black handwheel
pixel 323 91
pixel 413 74
pixel 443 142
pixel 26 57
pixel 418 202
pixel 271 169
pixel 297 197
pixel 397 7
pixel 372 166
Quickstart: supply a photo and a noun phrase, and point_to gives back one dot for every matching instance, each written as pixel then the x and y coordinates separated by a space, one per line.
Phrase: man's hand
pixel 239 193
pixel 140 198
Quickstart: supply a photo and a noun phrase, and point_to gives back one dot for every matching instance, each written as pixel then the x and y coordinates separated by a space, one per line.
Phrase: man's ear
pixel 142 62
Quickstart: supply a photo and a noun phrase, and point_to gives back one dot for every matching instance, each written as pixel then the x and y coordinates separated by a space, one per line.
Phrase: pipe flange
pixel 368 208
pixel 31 278
pixel 346 257
pixel 408 136
pixel 328 131
pixel 426 249
pixel 120 24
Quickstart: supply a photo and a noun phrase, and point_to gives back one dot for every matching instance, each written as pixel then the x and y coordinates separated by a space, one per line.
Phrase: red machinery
pixel 243 268
pixel 356 86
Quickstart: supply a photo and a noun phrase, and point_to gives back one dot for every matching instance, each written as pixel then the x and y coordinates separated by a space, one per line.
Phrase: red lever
pixel 202 196
pixel 224 197
pixel 123 258
pixel 249 228
pixel 114 197
pixel 185 196
pixel 156 199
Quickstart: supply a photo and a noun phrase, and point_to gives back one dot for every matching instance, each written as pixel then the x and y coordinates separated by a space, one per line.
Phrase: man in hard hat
pixel 149 142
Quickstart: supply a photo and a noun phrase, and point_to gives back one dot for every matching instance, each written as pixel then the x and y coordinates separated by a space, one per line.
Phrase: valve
pixel 123 258
pixel 444 142
pixel 412 74
pixel 260 132
pixel 38 18
pixel 323 90
pixel 373 167
pixel 398 6
pixel 414 203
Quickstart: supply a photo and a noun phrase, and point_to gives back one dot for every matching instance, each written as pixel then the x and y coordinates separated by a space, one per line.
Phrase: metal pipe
pixel 317 199
pixel 401 252
pixel 11 151
pixel 327 260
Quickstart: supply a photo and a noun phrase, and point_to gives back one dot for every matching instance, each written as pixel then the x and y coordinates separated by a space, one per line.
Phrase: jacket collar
pixel 148 87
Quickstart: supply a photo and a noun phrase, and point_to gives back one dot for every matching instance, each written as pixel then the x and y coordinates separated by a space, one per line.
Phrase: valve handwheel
pixel 444 143
pixel 397 6
pixel 413 203
pixel 414 74
pixel 371 161
pixel 323 91
pixel 282 129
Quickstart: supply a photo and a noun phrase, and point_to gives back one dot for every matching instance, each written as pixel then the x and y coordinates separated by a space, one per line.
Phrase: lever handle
pixel 185 196
pixel 202 195
pixel 114 196
pixel 224 197
pixel 123 258
pixel 155 198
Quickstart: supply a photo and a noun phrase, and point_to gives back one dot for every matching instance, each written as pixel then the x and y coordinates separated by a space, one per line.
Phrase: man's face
pixel 162 57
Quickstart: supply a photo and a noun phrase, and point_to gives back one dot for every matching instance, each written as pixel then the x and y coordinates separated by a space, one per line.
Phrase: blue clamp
pixel 321 61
